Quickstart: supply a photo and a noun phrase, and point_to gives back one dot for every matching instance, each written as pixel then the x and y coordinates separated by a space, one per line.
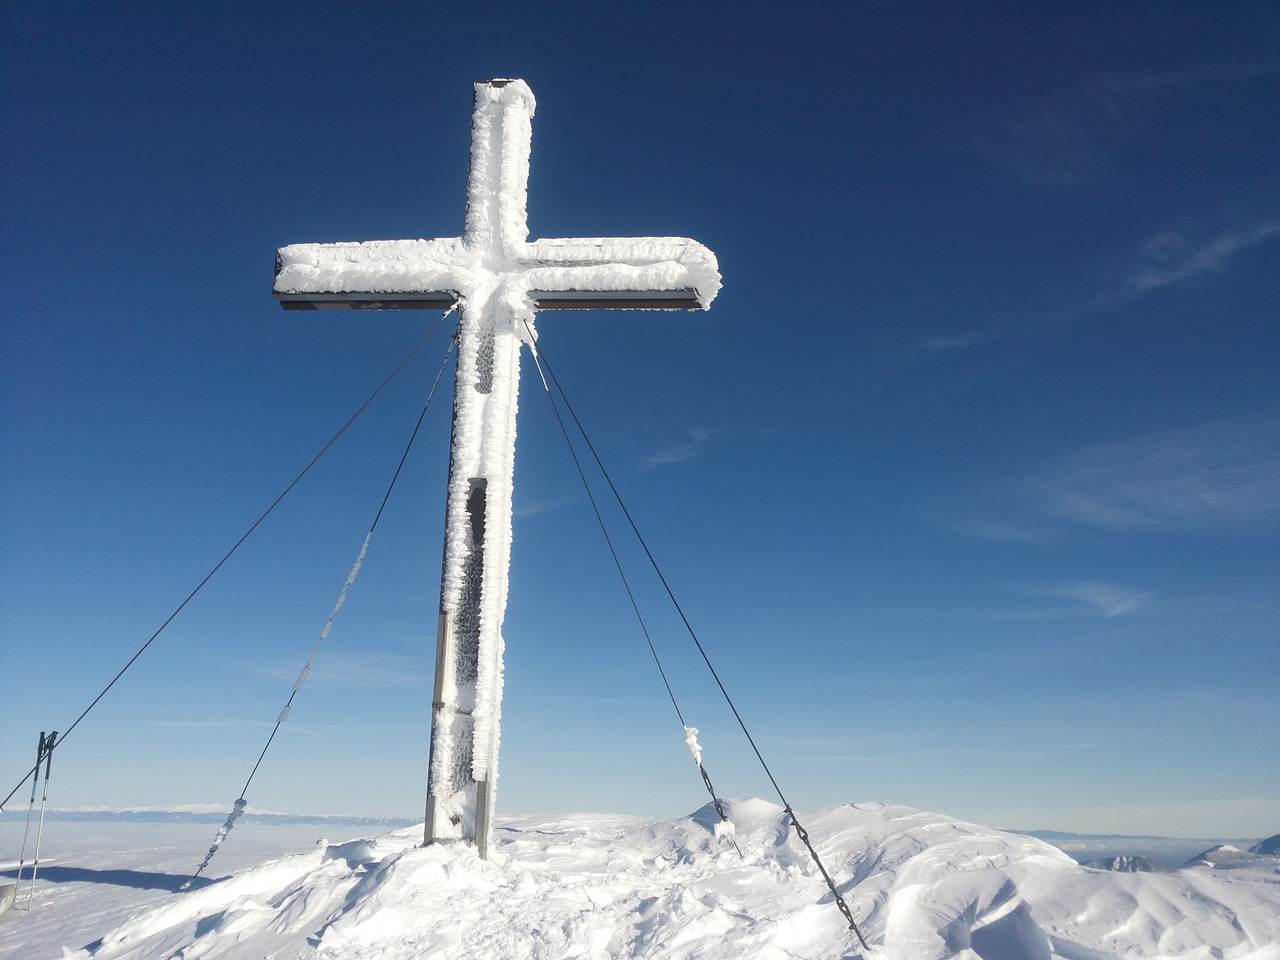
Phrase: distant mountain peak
pixel 1222 853
pixel 1269 847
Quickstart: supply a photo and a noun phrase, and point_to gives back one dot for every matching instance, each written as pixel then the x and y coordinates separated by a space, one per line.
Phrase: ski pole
pixel 26 831
pixel 46 749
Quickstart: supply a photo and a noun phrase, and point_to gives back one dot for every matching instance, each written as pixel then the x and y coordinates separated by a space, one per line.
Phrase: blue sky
pixel 969 480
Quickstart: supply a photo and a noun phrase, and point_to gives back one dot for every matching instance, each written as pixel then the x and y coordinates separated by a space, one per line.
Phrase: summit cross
pixel 499 279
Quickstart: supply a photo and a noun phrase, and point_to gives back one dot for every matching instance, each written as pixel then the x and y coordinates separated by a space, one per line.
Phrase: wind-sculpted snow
pixel 922 886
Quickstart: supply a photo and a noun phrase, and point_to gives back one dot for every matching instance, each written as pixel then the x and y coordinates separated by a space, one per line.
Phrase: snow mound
pixel 922 886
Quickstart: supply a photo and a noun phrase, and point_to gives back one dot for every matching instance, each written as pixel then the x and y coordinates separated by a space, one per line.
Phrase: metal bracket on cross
pixel 501 280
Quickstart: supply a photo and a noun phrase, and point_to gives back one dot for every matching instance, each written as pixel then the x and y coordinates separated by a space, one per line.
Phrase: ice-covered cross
pixel 500 279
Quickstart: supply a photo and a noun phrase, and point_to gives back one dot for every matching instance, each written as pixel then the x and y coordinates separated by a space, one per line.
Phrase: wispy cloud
pixel 207 723
pixel 680 452
pixel 1171 258
pixel 531 508
pixel 1193 253
pixel 1214 476
pixel 1109 599
pixel 960 341
pixel 945 346
pixel 1014 530
pixel 364 671
pixel 1065 138
pixel 1047 145
pixel 1222 476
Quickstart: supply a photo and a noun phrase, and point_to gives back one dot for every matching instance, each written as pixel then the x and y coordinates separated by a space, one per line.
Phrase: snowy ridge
pixel 922 885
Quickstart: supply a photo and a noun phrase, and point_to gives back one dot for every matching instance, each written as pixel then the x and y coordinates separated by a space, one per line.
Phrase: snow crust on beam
pixel 375 266
pixel 610 263
pixel 454 265
pixel 484 431
pixel 498 177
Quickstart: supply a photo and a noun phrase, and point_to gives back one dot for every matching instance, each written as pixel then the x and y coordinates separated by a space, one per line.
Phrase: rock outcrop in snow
pixel 1128 864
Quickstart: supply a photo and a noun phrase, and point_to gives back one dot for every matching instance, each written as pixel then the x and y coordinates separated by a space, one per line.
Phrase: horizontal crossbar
pixel 542 299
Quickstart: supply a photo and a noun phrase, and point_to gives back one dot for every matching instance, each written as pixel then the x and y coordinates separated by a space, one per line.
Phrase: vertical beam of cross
pixel 500 280
pixel 477 551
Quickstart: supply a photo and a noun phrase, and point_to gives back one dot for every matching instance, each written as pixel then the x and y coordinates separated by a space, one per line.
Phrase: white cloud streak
pixel 1109 599
pixel 532 508
pixel 367 671
pixel 219 724
pixel 960 341
pixel 1065 138
pixel 1170 258
pixel 1224 475
pixel 680 452
pixel 1218 477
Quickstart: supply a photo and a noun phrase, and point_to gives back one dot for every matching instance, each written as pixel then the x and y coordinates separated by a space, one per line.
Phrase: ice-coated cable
pixel 240 803
pixel 800 830
pixel 238 544
pixel 690 733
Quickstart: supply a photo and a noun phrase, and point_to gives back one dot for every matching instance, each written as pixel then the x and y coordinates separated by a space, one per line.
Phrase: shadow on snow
pixel 137 879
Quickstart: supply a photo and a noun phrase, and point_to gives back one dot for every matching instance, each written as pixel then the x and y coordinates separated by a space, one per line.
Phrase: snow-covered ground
pixel 922 885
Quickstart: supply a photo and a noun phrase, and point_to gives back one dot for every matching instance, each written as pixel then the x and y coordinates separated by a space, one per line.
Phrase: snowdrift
pixel 922 886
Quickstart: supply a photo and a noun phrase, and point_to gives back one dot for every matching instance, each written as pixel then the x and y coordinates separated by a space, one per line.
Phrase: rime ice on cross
pixel 500 279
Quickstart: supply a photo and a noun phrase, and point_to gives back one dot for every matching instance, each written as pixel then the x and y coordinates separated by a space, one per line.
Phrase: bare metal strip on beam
pixel 542 299
pixel 427 300
pixel 615 300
